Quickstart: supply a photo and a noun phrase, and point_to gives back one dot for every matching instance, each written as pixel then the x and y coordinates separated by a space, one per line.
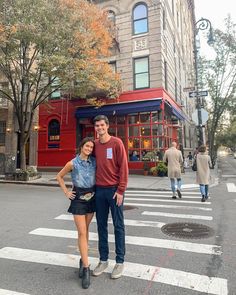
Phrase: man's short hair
pixel 99 118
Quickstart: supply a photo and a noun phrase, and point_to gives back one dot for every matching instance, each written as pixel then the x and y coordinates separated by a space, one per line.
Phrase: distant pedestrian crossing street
pixel 154 210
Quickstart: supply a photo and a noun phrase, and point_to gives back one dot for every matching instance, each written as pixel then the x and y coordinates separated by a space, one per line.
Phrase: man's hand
pixel 119 198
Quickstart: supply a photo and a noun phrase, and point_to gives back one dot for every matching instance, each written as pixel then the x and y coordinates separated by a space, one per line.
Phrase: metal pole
pixel 202 24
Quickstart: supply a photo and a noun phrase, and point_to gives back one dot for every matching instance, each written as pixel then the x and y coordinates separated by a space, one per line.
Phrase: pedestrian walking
pixel 190 159
pixel 174 159
pixel 111 182
pixel 82 197
pixel 203 161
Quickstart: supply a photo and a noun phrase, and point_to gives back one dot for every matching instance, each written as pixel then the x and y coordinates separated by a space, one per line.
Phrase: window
pixel 113 66
pixel 164 20
pixel 2 132
pixel 166 77
pixel 140 19
pixel 54 130
pixel 141 73
pixel 111 16
pixel 176 90
pixel 54 85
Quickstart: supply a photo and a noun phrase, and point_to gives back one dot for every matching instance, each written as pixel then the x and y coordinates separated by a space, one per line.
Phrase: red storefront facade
pixel 145 120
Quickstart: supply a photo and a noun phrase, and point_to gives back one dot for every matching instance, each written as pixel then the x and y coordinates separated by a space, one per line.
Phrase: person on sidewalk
pixel 174 159
pixel 203 161
pixel 111 182
pixel 82 196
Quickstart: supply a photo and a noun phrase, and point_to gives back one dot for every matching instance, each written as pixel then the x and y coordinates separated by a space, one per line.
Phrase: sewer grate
pixel 129 207
pixel 187 230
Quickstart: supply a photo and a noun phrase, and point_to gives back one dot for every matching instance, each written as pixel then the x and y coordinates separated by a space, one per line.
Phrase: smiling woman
pixel 82 197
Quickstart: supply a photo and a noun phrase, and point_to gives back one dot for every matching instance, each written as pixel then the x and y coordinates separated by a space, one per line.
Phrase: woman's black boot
pixel 80 268
pixel 86 278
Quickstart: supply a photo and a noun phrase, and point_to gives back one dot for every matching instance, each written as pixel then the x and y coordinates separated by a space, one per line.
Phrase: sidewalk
pixel 135 181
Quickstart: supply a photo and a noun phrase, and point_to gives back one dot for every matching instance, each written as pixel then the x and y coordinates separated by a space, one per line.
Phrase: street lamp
pixel 202 24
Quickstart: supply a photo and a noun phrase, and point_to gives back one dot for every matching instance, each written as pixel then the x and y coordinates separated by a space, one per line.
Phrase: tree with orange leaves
pixel 51 45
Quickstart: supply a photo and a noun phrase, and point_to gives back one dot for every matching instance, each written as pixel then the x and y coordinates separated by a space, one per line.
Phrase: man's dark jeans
pixel 104 201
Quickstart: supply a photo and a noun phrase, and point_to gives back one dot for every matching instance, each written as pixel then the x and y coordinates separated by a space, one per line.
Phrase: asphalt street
pixel 38 251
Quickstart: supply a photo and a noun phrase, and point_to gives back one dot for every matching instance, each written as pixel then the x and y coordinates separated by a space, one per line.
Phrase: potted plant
pixel 153 171
pixel 161 169
pixel 145 168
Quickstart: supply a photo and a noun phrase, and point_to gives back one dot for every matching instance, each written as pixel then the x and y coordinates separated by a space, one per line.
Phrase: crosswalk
pixel 154 211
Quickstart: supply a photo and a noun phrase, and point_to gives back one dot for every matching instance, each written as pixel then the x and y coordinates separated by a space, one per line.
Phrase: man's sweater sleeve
pixel 122 163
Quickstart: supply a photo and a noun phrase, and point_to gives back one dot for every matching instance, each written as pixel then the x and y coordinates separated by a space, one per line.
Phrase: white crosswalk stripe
pixel 172 277
pixel 169 206
pixel 9 292
pixel 174 215
pixel 140 241
pixel 155 274
pixel 166 201
pixel 128 222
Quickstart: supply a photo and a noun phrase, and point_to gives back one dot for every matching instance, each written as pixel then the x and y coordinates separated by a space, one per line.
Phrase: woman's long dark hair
pixel 83 142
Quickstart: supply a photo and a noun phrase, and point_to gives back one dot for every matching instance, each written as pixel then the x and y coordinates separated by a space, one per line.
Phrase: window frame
pixel 140 19
pixel 134 73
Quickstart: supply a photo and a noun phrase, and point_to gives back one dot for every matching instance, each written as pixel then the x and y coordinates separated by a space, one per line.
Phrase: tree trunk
pixel 22 152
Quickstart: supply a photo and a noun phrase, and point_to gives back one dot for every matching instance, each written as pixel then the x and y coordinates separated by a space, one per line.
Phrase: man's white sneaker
pixel 100 268
pixel 117 271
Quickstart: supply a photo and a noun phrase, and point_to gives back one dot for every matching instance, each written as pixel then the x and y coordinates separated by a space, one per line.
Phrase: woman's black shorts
pixel 82 207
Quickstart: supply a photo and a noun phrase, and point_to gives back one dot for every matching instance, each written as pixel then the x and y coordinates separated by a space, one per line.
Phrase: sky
pixel 215 11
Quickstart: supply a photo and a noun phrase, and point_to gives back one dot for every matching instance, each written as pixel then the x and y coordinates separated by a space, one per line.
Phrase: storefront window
pixel 133 119
pixel 134 143
pixel 156 117
pixel 157 130
pixel 121 120
pixel 145 117
pixel 146 143
pixel 157 142
pixel 133 130
pixel 145 130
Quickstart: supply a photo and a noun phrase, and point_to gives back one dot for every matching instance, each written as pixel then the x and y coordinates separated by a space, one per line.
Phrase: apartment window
pixel 54 86
pixel 176 90
pixel 166 75
pixel 111 16
pixel 54 130
pixel 164 20
pixel 141 73
pixel 2 132
pixel 113 66
pixel 140 19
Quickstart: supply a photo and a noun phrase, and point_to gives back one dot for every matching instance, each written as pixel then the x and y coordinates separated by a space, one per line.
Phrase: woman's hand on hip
pixel 70 195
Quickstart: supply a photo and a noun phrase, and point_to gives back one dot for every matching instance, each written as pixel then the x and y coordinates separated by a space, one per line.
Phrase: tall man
pixel 174 158
pixel 111 182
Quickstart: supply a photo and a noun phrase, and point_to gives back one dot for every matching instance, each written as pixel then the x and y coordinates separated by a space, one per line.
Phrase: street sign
pixel 204 116
pixel 198 93
pixel 187 89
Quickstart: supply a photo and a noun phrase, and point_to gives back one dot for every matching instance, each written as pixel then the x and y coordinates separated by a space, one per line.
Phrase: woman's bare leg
pixel 80 222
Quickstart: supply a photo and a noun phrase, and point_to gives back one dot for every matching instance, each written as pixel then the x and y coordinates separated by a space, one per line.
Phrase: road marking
pixel 159 195
pixel 128 222
pixel 156 192
pixel 177 215
pixel 230 175
pixel 168 206
pixel 170 201
pixel 9 292
pixel 231 187
pixel 182 279
pixel 133 240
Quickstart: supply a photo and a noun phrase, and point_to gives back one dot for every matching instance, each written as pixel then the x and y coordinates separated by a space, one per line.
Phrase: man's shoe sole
pixel 116 277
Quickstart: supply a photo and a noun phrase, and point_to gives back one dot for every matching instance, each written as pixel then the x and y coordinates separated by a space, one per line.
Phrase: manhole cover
pixel 129 207
pixel 187 230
